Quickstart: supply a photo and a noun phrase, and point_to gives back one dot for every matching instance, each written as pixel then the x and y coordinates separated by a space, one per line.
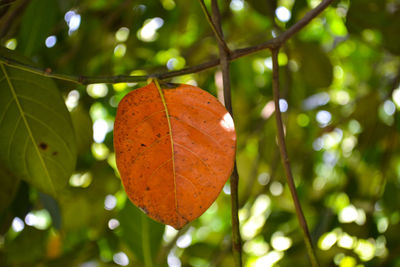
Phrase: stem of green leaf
pixel 146 242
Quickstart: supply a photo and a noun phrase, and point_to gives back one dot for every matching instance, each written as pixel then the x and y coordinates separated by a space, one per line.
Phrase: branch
pixel 217 30
pixel 285 159
pixel 271 44
pixel 164 250
pixel 6 2
pixel 8 16
pixel 224 62
pixel 278 41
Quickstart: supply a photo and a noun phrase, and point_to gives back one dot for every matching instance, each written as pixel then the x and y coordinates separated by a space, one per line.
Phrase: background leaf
pixel 315 66
pixel 8 187
pixel 37 141
pixel 138 231
pixel 83 128
pixel 37 22
pixel 22 243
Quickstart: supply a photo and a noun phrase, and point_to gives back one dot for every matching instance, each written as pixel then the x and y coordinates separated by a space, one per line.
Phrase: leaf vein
pixel 146 118
pixel 53 132
pixel 43 105
pixel 197 156
pixel 13 92
pixel 195 187
pixel 56 163
pixel 202 132
pixel 147 148
pixel 12 139
pixel 25 157
pixel 34 83
pixel 7 107
pixel 160 166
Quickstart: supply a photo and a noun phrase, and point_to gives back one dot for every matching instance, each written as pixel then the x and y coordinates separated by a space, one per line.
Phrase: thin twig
pixel 6 2
pixel 164 250
pixel 148 262
pixel 273 43
pixel 8 14
pixel 224 62
pixel 214 27
pixel 285 159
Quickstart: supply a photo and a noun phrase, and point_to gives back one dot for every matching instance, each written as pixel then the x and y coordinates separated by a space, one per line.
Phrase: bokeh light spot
pixel 17 225
pixel 283 14
pixel 148 33
pixel 236 5
pixel 51 41
pixel 121 258
pixel 122 34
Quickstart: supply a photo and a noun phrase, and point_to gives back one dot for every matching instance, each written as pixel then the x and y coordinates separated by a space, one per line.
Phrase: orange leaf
pixel 175 150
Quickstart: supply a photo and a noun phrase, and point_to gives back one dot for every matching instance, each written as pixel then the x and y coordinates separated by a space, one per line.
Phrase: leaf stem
pixel 234 183
pixel 146 241
pixel 285 159
pixel 235 54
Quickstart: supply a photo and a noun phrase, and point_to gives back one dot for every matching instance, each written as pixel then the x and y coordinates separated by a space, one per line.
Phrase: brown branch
pixel 13 10
pixel 4 3
pixel 216 29
pixel 285 159
pixel 278 41
pixel 271 44
pixel 224 62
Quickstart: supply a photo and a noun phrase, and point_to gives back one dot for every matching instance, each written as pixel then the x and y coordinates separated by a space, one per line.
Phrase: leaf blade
pixel 40 148
pixel 24 119
pixel 173 164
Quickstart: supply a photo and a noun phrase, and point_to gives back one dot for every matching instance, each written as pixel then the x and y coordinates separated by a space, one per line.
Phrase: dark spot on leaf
pixel 43 146
pixel 142 144
pixel 208 102
pixel 55 153
pixel 147 188
pixel 158 135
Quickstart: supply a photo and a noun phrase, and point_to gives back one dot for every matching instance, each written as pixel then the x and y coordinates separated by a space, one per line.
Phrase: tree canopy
pixel 65 65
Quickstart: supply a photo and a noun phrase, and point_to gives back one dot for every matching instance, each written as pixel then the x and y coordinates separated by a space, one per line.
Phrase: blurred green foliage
pixel 340 79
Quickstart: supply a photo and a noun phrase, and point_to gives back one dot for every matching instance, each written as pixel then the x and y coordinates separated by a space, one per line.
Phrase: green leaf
pixel 83 128
pixel 141 234
pixel 266 8
pixel 365 14
pixel 8 187
pixel 391 38
pixel 28 246
pixel 84 207
pixel 37 140
pixel 37 22
pixel 315 66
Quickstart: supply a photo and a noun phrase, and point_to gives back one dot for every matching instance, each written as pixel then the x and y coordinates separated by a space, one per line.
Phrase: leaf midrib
pixel 172 140
pixel 30 134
